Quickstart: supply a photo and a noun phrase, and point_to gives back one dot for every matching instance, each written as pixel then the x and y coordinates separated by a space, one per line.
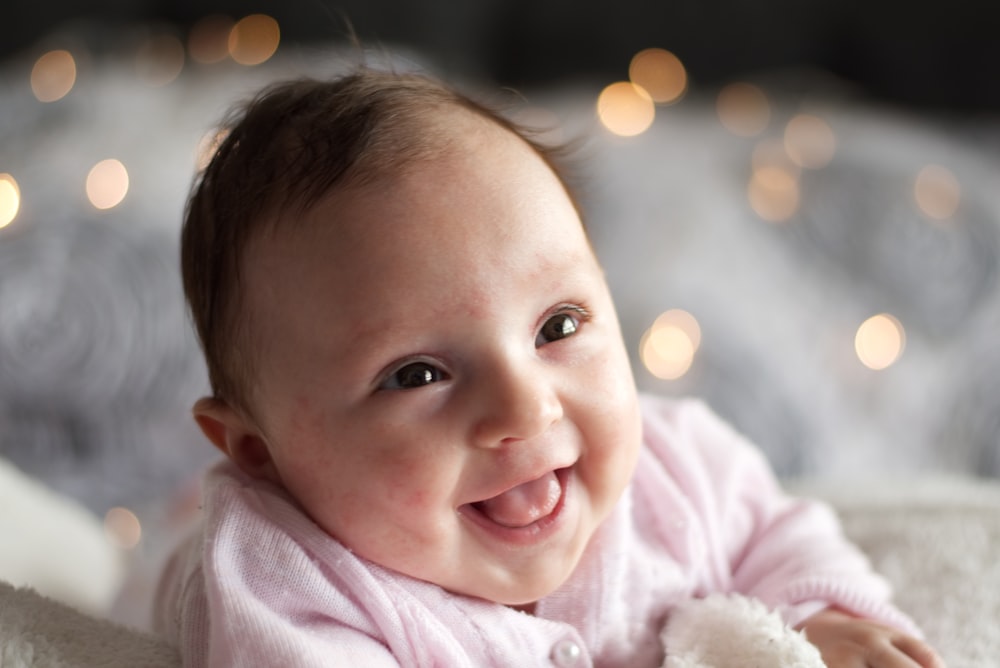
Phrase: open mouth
pixel 526 505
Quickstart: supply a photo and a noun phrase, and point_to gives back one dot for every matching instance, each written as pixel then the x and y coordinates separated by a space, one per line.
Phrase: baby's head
pixel 407 330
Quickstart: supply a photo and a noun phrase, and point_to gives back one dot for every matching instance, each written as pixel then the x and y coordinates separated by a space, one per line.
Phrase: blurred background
pixel 796 203
pixel 928 54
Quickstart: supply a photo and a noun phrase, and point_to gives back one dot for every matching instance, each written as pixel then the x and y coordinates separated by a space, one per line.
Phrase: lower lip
pixel 537 531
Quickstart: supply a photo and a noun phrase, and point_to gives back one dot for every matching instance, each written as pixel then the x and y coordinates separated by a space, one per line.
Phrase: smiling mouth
pixel 526 504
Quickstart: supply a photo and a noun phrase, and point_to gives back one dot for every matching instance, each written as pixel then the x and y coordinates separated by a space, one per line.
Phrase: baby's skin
pixel 848 642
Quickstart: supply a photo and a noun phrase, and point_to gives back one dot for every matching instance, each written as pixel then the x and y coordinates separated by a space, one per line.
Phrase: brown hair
pixel 288 147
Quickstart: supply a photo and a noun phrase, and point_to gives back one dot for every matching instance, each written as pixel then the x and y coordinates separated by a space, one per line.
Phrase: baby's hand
pixel 850 642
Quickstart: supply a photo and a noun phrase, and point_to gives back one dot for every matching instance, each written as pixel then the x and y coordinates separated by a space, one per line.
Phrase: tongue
pixel 524 504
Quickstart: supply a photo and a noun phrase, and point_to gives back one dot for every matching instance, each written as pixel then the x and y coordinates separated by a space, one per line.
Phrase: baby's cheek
pixel 405 496
pixel 614 408
pixel 406 483
pixel 615 434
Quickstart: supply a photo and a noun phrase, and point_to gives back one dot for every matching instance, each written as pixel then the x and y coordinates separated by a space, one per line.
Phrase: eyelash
pixel 393 376
pixel 432 373
pixel 580 316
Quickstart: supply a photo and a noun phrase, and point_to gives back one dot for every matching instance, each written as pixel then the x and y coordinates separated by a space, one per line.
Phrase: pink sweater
pixel 263 586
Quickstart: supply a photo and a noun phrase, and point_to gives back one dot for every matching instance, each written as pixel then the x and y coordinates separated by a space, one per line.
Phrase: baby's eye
pixel 413 375
pixel 558 326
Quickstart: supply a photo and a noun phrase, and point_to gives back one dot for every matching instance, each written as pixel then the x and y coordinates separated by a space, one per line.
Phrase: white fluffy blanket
pixel 937 540
pixel 38 632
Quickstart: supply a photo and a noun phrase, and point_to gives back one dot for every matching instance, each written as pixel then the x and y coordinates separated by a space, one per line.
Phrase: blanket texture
pixel 36 631
pixel 937 541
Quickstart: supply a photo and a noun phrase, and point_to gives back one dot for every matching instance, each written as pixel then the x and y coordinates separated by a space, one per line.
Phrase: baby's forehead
pixel 432 137
pixel 488 205
pixel 451 141
pixel 423 140
pixel 447 128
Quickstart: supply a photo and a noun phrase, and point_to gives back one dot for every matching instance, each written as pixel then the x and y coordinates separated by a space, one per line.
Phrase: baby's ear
pixel 236 437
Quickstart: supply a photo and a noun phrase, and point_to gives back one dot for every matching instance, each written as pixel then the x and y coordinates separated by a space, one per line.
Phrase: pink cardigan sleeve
pixel 756 540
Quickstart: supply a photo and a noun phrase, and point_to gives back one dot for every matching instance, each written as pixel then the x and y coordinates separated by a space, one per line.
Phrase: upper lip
pixel 509 484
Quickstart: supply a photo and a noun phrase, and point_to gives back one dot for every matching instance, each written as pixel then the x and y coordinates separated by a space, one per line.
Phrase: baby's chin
pixel 522 593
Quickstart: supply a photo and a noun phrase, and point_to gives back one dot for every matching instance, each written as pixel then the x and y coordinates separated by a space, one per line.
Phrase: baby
pixel 435 450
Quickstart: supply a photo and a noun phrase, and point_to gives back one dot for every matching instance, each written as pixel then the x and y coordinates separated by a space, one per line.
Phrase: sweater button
pixel 566 653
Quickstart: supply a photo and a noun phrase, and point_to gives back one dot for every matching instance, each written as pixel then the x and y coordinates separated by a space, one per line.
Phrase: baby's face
pixel 443 384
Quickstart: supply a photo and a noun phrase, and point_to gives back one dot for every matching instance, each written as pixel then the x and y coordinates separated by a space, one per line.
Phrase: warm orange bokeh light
pixel 668 347
pixel 660 73
pixel 53 75
pixel 937 192
pixel 10 200
pixel 879 341
pixel 208 41
pixel 774 193
pixel 122 528
pixel 107 184
pixel 207 146
pixel 809 141
pixel 743 109
pixel 254 39
pixel 625 109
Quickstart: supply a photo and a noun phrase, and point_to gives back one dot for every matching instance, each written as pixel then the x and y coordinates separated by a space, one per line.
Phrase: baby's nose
pixel 517 403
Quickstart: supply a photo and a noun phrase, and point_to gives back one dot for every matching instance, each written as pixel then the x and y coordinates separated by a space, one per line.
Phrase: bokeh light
pixel 660 73
pixel 207 146
pixel 254 39
pixel 53 75
pixel 668 347
pixel 107 184
pixel 10 200
pixel 122 528
pixel 625 109
pixel 743 109
pixel 208 41
pixel 773 193
pixel 160 60
pixel 937 192
pixel 809 141
pixel 880 341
